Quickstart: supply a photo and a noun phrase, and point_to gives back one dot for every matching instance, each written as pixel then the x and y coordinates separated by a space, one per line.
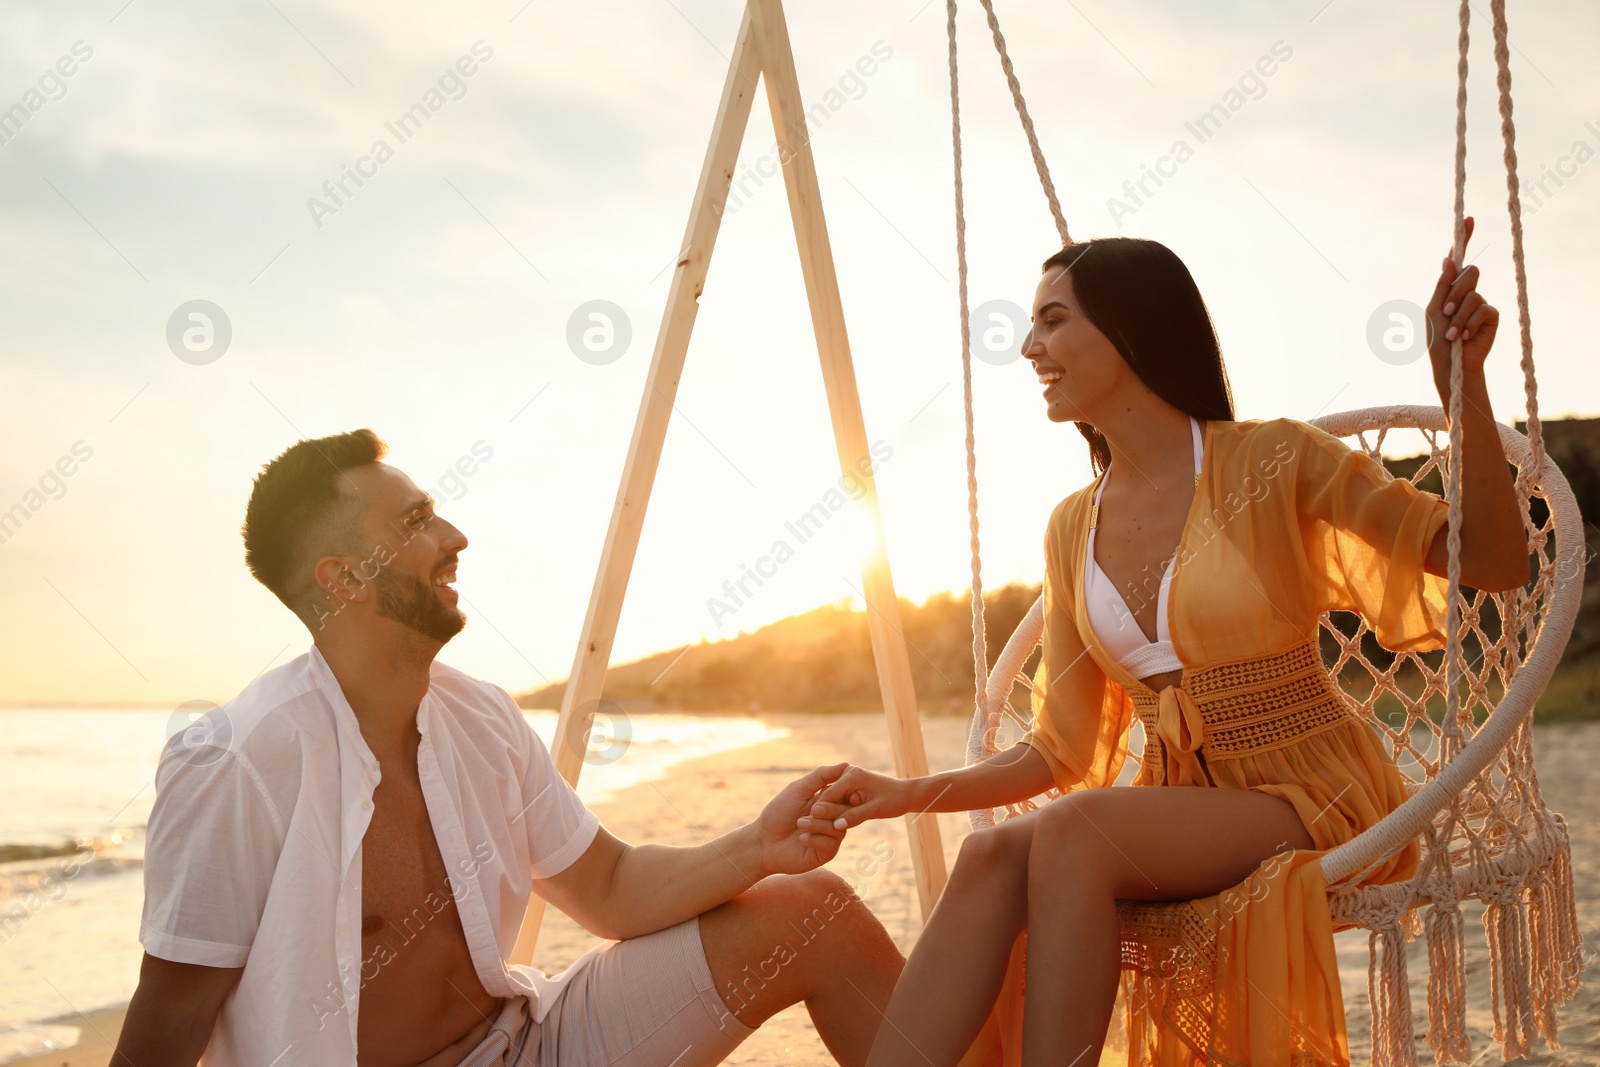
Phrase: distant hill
pixel 821 660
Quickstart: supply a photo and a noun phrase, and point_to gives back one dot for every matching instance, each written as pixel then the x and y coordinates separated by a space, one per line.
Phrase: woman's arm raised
pixel 1494 547
pixel 861 795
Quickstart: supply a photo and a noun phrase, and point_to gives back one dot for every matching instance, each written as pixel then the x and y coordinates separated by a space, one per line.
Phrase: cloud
pixel 434 306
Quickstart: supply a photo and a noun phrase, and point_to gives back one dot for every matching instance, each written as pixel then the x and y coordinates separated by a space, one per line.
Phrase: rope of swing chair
pixel 1450 740
pixel 1453 482
pixel 980 657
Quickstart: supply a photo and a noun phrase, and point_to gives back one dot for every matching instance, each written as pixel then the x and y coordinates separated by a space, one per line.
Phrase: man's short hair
pixel 303 508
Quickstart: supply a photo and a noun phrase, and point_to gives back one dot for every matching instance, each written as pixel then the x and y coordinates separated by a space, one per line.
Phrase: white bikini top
pixel 1113 623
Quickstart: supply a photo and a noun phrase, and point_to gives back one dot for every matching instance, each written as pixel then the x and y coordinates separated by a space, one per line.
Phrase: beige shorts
pixel 645 1002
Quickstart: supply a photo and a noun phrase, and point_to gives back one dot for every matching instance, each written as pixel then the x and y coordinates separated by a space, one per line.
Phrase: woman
pixel 1184 585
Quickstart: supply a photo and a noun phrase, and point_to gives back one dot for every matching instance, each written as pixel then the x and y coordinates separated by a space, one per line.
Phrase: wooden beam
pixel 762 47
pixel 849 428
pixel 587 678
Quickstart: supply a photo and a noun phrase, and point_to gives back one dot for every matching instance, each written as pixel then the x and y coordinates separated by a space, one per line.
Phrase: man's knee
pixel 831 930
pixel 793 909
pixel 812 883
pixel 807 905
pixel 771 945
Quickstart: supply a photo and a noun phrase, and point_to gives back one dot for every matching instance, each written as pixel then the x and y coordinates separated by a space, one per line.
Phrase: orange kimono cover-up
pixel 1287 522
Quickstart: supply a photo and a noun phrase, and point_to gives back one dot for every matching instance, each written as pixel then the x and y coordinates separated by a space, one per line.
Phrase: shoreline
pixel 706 796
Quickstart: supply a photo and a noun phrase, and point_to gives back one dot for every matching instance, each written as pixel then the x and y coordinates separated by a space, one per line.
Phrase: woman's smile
pixel 1048 375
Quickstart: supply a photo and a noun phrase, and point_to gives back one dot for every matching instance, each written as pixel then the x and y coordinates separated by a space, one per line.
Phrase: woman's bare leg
pixel 959 962
pixel 1092 848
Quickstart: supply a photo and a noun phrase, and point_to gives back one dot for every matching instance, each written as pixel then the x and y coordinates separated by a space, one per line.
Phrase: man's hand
pixel 788 845
pixel 859 795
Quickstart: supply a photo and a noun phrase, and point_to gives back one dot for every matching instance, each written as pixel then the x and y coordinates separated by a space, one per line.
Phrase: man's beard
pixel 413 604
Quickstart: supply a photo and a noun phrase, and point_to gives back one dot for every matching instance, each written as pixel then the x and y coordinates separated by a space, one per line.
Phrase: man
pixel 339 858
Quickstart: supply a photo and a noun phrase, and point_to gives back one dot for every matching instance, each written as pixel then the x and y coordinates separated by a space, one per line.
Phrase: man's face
pixel 411 554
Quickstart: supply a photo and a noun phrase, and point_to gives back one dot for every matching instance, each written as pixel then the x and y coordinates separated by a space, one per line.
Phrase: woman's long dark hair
pixel 1141 296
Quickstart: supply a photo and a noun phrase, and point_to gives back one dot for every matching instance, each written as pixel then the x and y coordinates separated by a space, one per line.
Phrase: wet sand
pixel 707 797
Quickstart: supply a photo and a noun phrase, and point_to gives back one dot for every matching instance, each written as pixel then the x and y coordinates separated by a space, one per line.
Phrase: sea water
pixel 76 787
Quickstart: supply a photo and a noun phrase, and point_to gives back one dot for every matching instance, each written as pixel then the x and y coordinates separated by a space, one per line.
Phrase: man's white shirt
pixel 253 851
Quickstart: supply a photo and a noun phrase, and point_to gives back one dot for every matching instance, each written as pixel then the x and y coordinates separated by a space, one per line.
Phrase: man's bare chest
pixel 419 986
pixel 404 881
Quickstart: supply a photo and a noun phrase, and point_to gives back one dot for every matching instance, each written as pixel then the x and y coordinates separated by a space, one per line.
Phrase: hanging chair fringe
pixel 1557 942
pixel 1522 868
pixel 1447 985
pixel 1505 920
pixel 1446 944
pixel 1389 993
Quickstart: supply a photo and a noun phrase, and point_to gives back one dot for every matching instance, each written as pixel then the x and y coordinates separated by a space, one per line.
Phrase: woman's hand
pixel 857 796
pixel 1494 546
pixel 785 851
pixel 1459 310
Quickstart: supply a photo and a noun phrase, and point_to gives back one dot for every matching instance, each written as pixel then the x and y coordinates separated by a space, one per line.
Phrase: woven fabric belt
pixel 1236 709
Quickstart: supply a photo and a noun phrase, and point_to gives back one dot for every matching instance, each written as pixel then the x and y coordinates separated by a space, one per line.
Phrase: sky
pixel 184 158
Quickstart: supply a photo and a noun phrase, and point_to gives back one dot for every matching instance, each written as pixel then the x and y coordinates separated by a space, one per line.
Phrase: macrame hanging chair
pixel 1475 807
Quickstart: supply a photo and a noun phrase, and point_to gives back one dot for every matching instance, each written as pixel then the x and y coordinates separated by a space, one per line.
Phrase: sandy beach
pixel 706 797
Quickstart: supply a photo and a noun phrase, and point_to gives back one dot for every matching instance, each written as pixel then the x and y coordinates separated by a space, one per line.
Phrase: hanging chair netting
pixel 1457 721
pixel 1491 839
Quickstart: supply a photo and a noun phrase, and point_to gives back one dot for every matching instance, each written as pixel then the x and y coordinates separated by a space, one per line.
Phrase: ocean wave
pixel 30 851
pixel 23 880
pixel 24 853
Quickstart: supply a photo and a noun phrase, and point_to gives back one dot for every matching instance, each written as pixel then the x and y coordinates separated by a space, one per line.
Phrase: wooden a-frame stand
pixel 762 49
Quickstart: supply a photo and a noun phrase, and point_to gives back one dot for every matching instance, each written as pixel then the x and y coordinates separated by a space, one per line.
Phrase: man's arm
pixel 170 1018
pixel 617 890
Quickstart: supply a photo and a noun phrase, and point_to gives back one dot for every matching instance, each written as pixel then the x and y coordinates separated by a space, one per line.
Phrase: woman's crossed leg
pixel 1058 872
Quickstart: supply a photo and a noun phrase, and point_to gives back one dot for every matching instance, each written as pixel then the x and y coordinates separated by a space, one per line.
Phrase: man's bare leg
pixel 804 938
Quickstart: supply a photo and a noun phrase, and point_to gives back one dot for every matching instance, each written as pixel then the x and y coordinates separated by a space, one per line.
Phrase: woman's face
pixel 1078 366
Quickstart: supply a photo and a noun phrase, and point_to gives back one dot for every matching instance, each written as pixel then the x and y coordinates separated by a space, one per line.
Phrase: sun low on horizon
pixel 232 229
